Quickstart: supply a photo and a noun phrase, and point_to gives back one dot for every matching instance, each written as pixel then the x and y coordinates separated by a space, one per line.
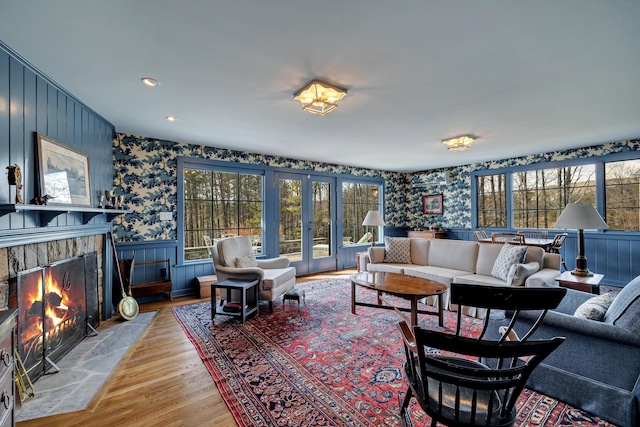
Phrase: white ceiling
pixel 525 76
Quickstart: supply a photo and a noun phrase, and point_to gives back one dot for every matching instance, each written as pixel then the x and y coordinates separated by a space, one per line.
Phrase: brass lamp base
pixel 581 272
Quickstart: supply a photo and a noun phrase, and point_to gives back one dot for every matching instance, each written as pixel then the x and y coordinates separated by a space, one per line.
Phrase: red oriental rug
pixel 323 366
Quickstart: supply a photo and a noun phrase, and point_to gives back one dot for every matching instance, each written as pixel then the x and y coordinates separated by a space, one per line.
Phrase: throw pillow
pixel 518 273
pixel 246 261
pixel 594 308
pixel 625 308
pixel 508 256
pixel 397 250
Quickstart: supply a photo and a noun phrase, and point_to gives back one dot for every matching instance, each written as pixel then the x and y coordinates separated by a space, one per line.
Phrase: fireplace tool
pixel 128 306
pixel 23 382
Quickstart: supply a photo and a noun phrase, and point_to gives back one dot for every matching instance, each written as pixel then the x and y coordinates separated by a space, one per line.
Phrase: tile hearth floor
pixel 83 370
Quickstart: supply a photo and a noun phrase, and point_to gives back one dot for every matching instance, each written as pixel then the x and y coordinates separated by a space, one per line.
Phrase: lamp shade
pixel 373 218
pixel 580 216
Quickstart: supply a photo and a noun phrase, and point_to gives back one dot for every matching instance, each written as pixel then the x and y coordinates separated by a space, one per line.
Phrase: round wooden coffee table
pixel 399 285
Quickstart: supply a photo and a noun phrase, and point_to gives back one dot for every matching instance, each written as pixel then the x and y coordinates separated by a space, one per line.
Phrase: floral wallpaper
pixel 145 172
pixel 457 194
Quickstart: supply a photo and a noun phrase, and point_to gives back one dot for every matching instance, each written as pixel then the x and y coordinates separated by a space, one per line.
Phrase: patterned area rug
pixel 323 366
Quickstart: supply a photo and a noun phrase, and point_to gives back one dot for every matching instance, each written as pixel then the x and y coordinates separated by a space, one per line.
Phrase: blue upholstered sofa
pixel 597 368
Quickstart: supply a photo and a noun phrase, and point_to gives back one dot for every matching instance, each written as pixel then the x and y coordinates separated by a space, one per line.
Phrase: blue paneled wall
pixel 31 103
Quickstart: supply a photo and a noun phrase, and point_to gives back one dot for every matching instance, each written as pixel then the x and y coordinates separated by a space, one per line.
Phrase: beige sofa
pixel 448 261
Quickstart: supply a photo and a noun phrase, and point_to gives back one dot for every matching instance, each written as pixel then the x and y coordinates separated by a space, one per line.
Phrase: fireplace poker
pixel 128 306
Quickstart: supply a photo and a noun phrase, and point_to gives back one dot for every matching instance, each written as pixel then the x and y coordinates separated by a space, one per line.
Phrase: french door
pixel 306 221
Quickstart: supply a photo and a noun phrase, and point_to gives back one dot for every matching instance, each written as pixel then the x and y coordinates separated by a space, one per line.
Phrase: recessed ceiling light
pixel 150 82
pixel 172 118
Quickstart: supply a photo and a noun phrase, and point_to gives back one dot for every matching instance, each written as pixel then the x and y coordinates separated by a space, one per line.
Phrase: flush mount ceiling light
pixel 172 118
pixel 319 97
pixel 150 82
pixel 459 143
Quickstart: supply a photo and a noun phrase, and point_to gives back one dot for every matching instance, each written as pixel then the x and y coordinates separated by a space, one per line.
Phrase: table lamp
pixel 373 219
pixel 580 216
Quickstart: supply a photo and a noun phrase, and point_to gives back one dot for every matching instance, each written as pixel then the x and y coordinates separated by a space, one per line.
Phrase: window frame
pixel 269 214
pixel 599 165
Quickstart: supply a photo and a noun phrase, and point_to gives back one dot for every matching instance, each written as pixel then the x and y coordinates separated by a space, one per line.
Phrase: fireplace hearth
pixel 57 307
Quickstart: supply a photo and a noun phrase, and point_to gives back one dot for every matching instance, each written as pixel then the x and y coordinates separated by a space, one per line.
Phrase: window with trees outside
pixel 492 201
pixel 221 204
pixel 357 200
pixel 622 193
pixel 539 196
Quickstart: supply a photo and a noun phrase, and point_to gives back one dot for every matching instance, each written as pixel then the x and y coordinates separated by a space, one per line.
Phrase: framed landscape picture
pixel 63 173
pixel 432 204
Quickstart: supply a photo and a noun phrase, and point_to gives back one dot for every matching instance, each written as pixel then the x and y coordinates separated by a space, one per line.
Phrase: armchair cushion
pixel 275 277
pixel 248 260
pixel 233 248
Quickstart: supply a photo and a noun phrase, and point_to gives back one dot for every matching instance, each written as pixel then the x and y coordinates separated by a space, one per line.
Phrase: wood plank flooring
pixel 159 382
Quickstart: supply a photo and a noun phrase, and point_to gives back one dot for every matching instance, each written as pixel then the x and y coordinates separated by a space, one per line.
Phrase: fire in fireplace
pixel 56 306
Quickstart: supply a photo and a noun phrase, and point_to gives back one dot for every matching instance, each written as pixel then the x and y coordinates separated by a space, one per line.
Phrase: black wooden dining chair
pixel 463 381
pixel 555 246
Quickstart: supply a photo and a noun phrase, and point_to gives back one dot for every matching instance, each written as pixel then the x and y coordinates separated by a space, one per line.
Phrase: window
pixel 357 200
pixel 220 204
pixel 492 201
pixel 622 193
pixel 539 196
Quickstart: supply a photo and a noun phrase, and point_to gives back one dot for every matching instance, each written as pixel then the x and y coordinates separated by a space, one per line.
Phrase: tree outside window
pixel 357 200
pixel 622 193
pixel 218 205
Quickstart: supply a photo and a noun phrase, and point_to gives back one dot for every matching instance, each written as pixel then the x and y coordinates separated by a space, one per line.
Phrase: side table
pixel 589 284
pixel 248 298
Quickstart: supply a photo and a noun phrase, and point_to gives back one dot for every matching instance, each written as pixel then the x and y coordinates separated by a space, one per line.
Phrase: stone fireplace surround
pixel 18 258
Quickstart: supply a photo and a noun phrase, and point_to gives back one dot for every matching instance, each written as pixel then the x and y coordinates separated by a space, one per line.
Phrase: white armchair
pixel 233 258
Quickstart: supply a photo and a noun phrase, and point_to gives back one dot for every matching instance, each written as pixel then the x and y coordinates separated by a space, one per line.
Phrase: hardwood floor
pixel 159 382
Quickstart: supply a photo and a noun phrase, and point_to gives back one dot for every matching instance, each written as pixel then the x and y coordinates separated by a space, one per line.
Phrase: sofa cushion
pixel 518 273
pixel 397 250
pixel 479 279
pixel 594 308
pixel 248 260
pixel 420 251
pixel 624 311
pixel 388 267
pixel 453 254
pixel 509 255
pixel 487 255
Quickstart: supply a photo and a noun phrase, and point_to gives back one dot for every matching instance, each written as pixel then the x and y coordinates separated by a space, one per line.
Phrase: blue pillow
pixel 624 312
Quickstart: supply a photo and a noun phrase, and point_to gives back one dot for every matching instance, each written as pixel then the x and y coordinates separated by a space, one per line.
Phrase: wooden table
pixel 399 285
pixel 589 284
pixel 248 297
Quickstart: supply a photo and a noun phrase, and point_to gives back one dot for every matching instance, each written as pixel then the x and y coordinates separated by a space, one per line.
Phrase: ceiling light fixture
pixel 459 143
pixel 150 82
pixel 319 97
pixel 172 118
